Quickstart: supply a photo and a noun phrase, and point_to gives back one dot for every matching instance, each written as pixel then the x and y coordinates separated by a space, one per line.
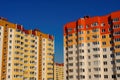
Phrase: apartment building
pixel 48 58
pixel 58 71
pixel 23 52
pixel 92 48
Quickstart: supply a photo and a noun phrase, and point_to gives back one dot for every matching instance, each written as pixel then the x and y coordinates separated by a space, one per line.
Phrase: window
pixel 95 43
pixel 117 46
pixel 117 33
pixel 115 19
pixel 81 38
pixel 70 76
pixel 89 70
pixel 10 53
pixel 88 44
pixel 117 53
pixel 81 51
pixel 110 35
pixel 95 24
pixel 89 76
pixel 118 67
pixel 88 38
pixel 69 30
pixel 97 69
pixel 113 76
pixel 96 55
pixel 82 77
pixel 105 69
pixel 89 63
pixel 10 35
pixel 8 76
pixel 70 64
pixel 96 49
pixel 104 56
pixel 88 32
pixel 69 35
pixel 103 36
pixel 82 70
pixel 80 26
pixel 103 30
pixel 9 70
pixel 97 75
pixel 81 32
pixel 105 62
pixel 118 60
pixel 81 57
pixel 70 58
pixel 104 49
pixel 10 41
pixel 9 58
pixel 110 29
pixel 70 46
pixel 95 30
pixel 111 42
pixel 103 43
pixel 70 70
pixel 88 50
pixel 69 41
pixel 97 62
pixel 105 76
pixel 118 75
pixel 81 44
pixel 10 47
pixel 102 24
pixel 70 52
pixel 10 30
pixel 87 26
pixel 89 57
pixel 117 39
pixel 81 63
pixel 9 64
pixel 116 26
pixel 95 36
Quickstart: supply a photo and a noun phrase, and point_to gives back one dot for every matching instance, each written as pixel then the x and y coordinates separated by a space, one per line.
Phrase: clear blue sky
pixel 51 15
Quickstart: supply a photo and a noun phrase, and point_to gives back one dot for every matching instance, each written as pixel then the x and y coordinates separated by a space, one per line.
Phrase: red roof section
pixel 59 64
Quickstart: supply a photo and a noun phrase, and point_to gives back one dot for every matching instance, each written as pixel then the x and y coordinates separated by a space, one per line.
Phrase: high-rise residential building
pixel 58 71
pixel 47 58
pixel 25 54
pixel 92 48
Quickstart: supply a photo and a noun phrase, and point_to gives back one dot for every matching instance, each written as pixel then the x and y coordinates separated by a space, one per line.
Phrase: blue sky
pixel 51 15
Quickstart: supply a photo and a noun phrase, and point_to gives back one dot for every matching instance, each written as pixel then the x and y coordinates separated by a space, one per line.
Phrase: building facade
pixel 58 71
pixel 92 48
pixel 22 52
